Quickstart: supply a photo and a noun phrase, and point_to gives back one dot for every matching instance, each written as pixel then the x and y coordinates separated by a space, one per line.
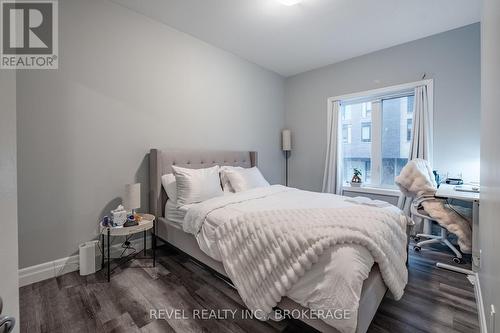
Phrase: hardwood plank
pixel 122 324
pixel 386 323
pixel 435 300
pixel 157 326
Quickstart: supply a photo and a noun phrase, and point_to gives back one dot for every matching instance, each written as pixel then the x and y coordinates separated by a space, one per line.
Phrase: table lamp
pixel 132 198
pixel 286 146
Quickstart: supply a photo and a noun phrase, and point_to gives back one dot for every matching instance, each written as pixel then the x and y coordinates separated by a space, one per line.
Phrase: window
pixel 346 133
pixel 395 141
pixel 366 112
pixel 346 115
pixel 366 132
pixel 355 153
pixel 376 137
pixel 409 128
pixel 409 106
pixel 368 169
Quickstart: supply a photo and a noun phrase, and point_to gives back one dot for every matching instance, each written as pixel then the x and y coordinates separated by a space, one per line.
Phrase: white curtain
pixel 332 180
pixel 421 145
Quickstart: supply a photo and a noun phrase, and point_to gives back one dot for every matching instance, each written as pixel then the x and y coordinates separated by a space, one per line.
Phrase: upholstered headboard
pixel 160 163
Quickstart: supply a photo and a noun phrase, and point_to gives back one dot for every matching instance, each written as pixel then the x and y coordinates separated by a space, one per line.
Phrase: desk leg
pixel 144 233
pixel 109 257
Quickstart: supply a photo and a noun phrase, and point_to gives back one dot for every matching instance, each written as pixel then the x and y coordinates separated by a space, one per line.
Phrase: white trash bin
pixel 90 257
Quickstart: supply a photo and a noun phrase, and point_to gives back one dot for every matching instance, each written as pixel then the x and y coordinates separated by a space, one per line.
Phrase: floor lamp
pixel 286 146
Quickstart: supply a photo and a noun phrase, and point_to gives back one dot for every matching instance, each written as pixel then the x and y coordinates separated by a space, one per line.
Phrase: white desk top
pixel 448 191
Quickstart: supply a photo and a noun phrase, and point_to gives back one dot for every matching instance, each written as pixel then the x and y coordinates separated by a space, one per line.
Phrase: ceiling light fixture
pixel 289 2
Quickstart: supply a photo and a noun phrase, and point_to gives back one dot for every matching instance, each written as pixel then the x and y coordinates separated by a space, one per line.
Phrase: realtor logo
pixel 29 33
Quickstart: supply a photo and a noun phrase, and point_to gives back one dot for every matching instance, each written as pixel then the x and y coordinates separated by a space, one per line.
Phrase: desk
pixel 448 192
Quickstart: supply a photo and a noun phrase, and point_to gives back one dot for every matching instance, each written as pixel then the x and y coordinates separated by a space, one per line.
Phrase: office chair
pixel 417 211
pixel 417 181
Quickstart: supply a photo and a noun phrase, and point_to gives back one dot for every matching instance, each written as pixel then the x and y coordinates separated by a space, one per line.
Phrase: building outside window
pixel 356 153
pixel 376 138
pixel 409 128
pixel 346 133
pixel 366 110
pixel 366 132
pixel 347 113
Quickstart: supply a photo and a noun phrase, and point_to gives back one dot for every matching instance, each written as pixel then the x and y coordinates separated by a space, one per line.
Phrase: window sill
pixel 372 190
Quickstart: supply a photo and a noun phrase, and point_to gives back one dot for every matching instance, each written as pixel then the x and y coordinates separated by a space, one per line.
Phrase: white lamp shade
pixel 132 198
pixel 286 140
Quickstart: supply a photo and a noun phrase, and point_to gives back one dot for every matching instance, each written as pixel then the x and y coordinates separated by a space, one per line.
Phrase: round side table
pixel 148 222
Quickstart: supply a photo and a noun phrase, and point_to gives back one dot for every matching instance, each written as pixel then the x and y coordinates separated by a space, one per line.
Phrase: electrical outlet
pixel 492 319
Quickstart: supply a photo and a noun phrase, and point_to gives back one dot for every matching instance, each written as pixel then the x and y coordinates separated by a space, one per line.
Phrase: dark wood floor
pixel 435 300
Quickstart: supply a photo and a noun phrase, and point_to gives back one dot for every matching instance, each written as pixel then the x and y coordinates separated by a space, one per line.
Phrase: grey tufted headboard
pixel 160 163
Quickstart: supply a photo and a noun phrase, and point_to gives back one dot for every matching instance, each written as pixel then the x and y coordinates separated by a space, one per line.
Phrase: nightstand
pixel 148 222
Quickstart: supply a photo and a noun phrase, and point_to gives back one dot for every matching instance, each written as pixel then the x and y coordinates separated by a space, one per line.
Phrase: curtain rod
pixel 379 98
pixel 382 91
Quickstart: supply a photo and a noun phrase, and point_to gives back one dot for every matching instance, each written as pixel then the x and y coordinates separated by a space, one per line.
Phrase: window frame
pixel 375 96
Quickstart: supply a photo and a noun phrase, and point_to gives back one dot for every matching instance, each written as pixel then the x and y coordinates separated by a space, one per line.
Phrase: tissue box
pixel 119 216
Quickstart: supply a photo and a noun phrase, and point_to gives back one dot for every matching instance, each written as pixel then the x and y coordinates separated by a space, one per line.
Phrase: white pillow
pixel 226 185
pixel 170 186
pixel 245 179
pixel 196 185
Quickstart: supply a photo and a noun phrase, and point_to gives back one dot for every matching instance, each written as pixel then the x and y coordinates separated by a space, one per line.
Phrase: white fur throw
pixel 417 181
pixel 266 252
pixel 452 221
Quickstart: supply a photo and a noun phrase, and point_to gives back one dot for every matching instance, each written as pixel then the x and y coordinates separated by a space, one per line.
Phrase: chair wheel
pixel 417 248
pixel 416 239
pixel 457 260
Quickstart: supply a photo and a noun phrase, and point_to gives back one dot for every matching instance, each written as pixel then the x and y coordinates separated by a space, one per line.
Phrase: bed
pixel 170 229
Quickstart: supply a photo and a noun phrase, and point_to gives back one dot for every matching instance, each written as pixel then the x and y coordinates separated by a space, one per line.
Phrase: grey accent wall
pixel 452 59
pixel 9 285
pixel 126 84
pixel 489 212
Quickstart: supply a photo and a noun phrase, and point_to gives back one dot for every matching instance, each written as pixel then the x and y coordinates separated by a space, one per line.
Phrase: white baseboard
pixel 62 266
pixel 47 270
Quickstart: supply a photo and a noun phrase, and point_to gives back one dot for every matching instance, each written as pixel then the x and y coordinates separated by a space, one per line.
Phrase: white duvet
pixel 333 282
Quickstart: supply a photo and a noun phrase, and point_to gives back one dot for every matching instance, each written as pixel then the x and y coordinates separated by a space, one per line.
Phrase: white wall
pixel 126 84
pixel 489 211
pixel 452 59
pixel 9 289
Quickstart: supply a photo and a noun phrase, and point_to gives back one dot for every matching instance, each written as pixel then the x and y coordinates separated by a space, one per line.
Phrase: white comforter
pixel 334 281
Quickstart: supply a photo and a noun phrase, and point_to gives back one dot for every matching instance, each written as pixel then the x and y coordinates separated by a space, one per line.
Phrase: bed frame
pixel 160 163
